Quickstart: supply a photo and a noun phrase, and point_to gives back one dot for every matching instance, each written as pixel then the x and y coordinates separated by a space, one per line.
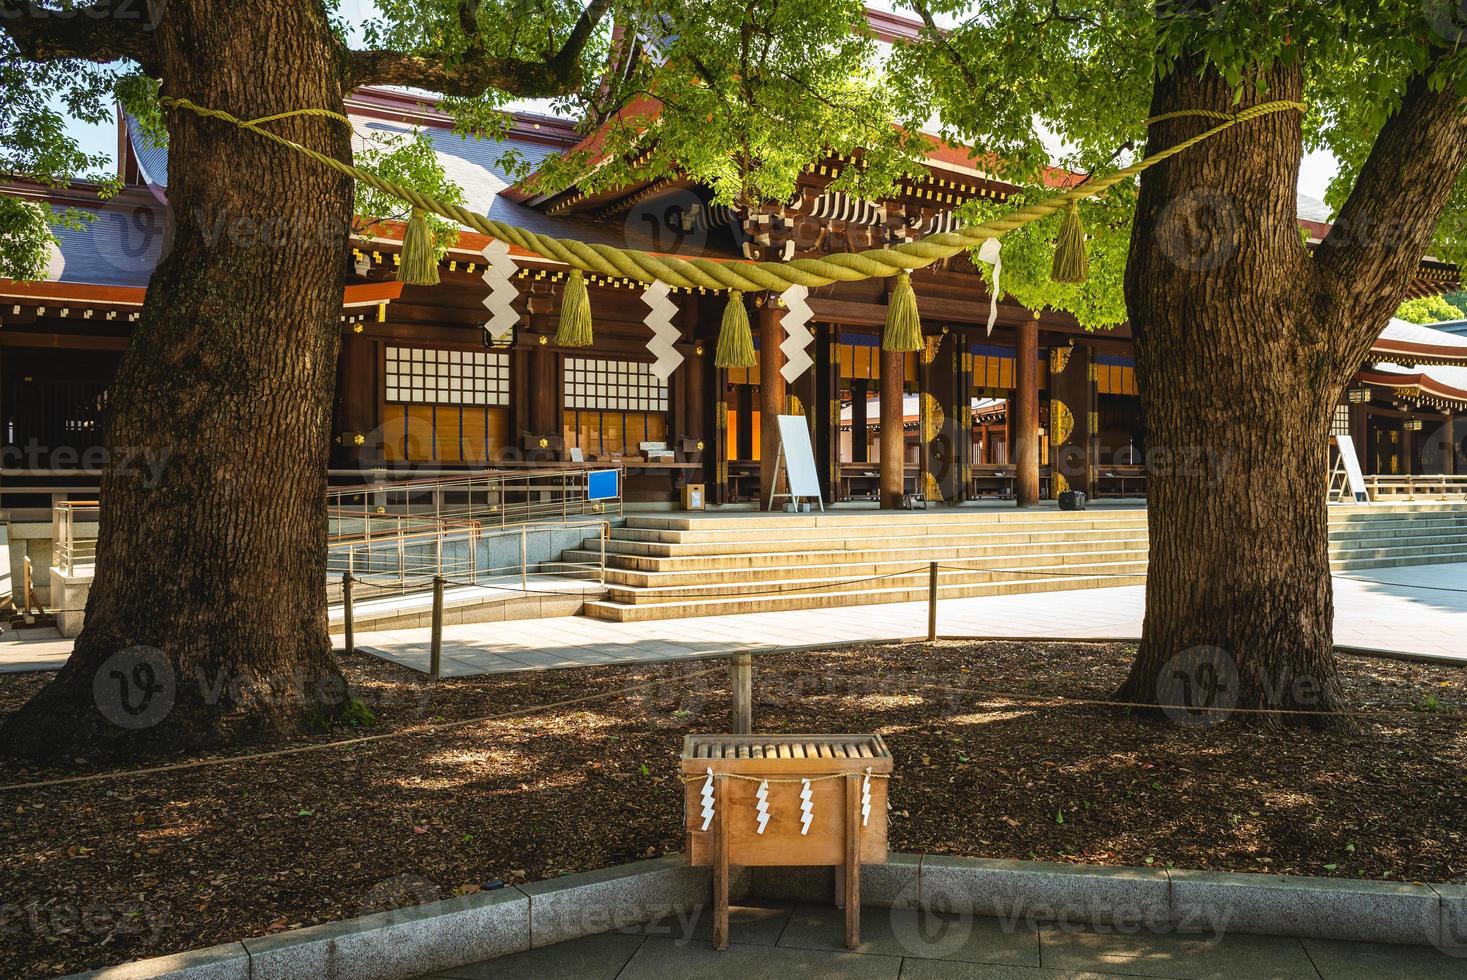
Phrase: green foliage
pixel 747 95
pixel 1429 309
pixel 1019 77
pixel 408 159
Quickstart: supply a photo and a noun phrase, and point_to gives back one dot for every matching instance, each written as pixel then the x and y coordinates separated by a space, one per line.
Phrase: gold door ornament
pixel 1061 422
pixel 932 417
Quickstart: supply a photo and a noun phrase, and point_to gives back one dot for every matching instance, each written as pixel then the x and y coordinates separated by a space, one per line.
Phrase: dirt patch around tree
pixel 104 871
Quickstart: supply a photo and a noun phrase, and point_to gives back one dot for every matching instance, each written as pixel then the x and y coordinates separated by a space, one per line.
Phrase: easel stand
pixel 774 494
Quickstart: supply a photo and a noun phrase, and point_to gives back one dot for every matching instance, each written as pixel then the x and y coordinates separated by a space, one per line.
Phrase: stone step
pixel 1436 558
pixel 752 544
pixel 621 612
pixel 677 573
pixel 910 578
pixel 888 528
pixel 829 519
pixel 745 561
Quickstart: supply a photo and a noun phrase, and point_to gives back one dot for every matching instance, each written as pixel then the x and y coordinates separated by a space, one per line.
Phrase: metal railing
pixel 397 553
pixel 71 549
pixel 1438 486
pixel 492 497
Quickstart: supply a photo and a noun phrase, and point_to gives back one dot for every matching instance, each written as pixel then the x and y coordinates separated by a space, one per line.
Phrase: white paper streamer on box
pixel 866 798
pixel 807 807
pixel 500 301
pixel 664 334
pixel 762 795
pixel 798 337
pixel 708 800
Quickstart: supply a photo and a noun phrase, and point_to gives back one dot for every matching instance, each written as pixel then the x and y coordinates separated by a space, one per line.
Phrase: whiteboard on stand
pixel 1346 446
pixel 799 457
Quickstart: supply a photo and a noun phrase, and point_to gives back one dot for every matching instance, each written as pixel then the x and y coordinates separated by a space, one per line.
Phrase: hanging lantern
pixel 1358 396
pixel 1412 425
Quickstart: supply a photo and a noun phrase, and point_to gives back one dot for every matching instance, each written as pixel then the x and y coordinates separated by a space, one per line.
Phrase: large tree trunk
pixel 1237 399
pixel 1243 344
pixel 207 618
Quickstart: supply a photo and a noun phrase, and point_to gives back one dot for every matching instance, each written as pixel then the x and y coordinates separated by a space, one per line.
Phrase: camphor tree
pixel 1245 336
pixel 218 567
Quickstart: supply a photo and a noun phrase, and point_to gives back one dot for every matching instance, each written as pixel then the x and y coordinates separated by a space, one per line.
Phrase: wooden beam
pixel 772 397
pixel 893 440
pixel 1025 417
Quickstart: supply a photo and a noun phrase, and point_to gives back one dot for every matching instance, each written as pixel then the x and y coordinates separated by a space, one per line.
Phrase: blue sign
pixel 602 485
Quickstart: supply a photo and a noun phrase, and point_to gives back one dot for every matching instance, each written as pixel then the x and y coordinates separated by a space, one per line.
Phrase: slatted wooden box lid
pixel 785 760
pixel 807 755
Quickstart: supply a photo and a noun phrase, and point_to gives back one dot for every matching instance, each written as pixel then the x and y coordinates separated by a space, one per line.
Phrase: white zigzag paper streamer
pixel 807 807
pixel 664 334
pixel 798 337
pixel 762 795
pixel 866 799
pixel 708 800
pixel 991 252
pixel 502 293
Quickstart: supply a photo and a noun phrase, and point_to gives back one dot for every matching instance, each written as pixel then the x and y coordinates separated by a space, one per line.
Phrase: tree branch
pixel 1376 244
pixel 101 33
pixel 478 71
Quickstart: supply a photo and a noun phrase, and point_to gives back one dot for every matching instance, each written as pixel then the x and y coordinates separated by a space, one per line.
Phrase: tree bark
pixel 206 622
pixel 1243 344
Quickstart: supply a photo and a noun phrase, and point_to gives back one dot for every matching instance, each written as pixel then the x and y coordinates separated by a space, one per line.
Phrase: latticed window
pixel 613 407
pixel 447 406
pixel 1340 424
pixel 627 385
pixel 447 377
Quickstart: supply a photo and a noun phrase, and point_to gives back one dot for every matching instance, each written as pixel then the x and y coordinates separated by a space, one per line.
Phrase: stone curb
pixel 440 935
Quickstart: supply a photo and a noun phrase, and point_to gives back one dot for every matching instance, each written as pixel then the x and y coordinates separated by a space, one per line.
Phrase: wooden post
pixel 435 648
pixel 720 862
pixel 1025 417
pixel 932 603
pixel 851 892
pixel 893 439
pixel 860 452
pixel 346 612
pixel 741 685
pixel 772 397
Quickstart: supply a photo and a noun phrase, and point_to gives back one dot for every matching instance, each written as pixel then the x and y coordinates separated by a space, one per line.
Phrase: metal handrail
pixel 412 572
pixel 502 497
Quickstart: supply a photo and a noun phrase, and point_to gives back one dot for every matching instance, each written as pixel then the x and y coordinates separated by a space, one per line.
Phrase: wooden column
pixel 1449 437
pixel 357 373
pixel 772 400
pixel 893 462
pixel 1024 419
pixel 859 396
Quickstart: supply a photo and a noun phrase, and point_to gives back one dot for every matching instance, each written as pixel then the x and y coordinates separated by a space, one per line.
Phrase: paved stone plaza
pixel 1418 610
pixel 780 942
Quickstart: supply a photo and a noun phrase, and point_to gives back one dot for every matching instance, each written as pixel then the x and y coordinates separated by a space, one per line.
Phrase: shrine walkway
pixel 1419 610
pixel 777 942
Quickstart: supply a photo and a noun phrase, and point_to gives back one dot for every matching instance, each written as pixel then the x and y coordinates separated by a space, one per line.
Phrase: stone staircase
pixel 668 566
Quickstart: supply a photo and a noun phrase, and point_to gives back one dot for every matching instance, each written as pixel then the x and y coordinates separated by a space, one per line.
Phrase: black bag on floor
pixel 1072 500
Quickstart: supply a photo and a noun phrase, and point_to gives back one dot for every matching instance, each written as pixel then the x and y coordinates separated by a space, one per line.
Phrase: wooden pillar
pixel 1024 419
pixel 859 432
pixel 357 374
pixel 1449 438
pixel 893 440
pixel 772 400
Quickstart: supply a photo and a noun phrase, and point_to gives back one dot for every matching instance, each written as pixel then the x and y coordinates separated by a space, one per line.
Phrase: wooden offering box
pixel 845 773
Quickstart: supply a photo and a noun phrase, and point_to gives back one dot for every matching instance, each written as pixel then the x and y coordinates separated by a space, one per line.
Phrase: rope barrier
pixel 361 740
pixel 739 275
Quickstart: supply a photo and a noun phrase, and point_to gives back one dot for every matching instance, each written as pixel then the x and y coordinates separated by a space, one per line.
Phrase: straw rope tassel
pixel 574 329
pixel 735 338
pixel 419 255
